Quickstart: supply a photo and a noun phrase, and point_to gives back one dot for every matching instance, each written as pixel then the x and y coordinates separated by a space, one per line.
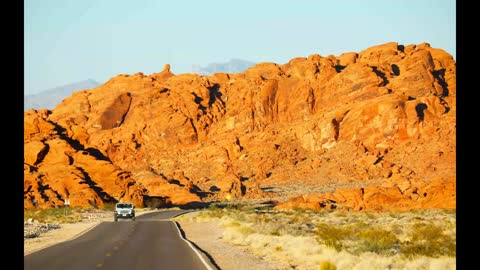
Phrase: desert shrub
pixel 358 226
pixel 275 233
pixel 354 232
pixel 385 234
pixel 326 265
pixel 214 211
pixel 379 241
pixel 428 240
pixel 296 218
pixel 397 229
pixel 238 215
pixel 331 235
pixel 263 218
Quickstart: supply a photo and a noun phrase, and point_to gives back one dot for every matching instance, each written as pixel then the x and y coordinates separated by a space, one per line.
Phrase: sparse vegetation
pixel 428 240
pixel 379 241
pixel 53 215
pixel 312 238
pixel 332 236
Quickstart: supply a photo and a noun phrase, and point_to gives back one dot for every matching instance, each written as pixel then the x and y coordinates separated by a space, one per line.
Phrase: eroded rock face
pixel 398 196
pixel 361 122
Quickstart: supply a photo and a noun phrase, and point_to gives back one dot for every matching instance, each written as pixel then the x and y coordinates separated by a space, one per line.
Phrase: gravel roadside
pixel 208 237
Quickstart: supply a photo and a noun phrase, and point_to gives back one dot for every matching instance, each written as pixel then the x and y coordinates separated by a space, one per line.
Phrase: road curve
pixel 150 242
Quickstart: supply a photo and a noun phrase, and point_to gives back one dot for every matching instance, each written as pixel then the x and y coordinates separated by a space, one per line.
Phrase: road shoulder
pixel 208 237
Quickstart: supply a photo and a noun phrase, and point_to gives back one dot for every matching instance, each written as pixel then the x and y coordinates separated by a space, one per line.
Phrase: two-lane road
pixel 150 242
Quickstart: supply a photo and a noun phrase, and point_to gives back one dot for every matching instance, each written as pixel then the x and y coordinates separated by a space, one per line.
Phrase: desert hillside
pixel 374 129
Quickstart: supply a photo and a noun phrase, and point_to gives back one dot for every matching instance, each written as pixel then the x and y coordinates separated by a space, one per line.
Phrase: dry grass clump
pixel 347 240
pixel 332 236
pixel 326 265
pixel 379 241
pixel 358 238
pixel 428 240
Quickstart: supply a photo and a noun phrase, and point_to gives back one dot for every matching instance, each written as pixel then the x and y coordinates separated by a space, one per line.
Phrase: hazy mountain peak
pixel 49 98
pixel 232 66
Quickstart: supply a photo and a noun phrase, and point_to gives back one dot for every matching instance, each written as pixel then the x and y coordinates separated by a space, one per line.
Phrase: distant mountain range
pixel 232 66
pixel 49 99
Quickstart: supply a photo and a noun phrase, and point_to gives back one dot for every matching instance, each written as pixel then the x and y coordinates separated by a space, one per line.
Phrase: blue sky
pixel 67 41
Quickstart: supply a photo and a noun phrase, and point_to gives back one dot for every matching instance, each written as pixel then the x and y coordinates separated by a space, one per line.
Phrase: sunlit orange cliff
pixel 368 130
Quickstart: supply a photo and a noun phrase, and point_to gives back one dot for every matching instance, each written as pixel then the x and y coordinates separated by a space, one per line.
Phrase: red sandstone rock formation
pixel 367 130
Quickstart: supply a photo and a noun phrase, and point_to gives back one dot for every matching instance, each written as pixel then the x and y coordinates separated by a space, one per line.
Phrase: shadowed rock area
pixel 374 129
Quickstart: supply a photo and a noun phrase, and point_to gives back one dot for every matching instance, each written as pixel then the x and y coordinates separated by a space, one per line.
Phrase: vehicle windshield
pixel 124 205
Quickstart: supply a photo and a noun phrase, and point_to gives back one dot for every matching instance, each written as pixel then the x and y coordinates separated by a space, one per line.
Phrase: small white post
pixel 66 204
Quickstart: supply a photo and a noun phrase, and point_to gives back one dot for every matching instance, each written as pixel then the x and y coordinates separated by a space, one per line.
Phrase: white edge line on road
pixel 192 247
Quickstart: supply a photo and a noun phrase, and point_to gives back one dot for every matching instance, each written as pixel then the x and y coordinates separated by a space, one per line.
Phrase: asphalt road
pixel 150 242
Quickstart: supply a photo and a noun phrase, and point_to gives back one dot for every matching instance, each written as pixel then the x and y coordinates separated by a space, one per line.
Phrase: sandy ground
pixel 52 237
pixel 208 237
